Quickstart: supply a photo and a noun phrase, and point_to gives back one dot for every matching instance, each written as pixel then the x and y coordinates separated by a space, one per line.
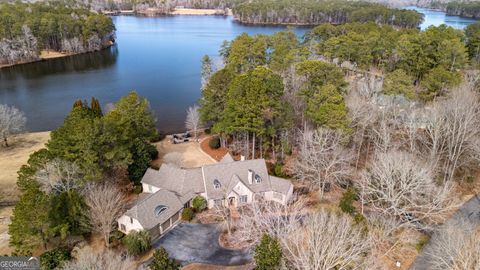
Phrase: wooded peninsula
pixel 27 29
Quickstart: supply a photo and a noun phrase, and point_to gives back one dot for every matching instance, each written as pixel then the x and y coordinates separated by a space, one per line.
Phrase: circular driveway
pixel 189 243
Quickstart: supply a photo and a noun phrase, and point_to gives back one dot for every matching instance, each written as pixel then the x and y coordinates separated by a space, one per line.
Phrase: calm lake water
pixel 159 57
pixel 433 17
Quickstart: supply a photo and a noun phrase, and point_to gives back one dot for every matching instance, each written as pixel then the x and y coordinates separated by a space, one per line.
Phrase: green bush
pixel 162 261
pixel 278 169
pixel 116 235
pixel 158 137
pixel 214 143
pixel 199 204
pixel 268 254
pixel 346 202
pixel 422 242
pixel 187 214
pixel 152 151
pixel 208 131
pixel 137 242
pixel 54 258
pixel 137 189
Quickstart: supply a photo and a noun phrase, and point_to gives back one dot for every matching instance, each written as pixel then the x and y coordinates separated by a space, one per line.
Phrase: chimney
pixel 242 158
pixel 250 177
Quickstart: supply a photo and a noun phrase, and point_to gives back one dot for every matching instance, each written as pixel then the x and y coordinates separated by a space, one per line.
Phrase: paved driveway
pixel 470 211
pixel 189 243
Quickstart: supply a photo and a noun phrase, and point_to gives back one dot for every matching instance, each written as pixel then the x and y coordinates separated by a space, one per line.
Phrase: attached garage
pixel 154 232
pixel 158 212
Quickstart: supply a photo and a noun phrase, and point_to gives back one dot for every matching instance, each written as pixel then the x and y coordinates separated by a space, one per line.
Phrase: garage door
pixel 154 232
pixel 176 217
pixel 166 225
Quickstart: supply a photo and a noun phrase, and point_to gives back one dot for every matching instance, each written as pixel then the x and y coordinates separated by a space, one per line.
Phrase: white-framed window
pixel 160 209
pixel 243 199
pixel 131 220
pixel 216 184
pixel 122 227
pixel 258 179
pixel 218 202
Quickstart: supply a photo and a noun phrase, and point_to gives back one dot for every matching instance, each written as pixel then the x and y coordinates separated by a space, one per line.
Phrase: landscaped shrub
pixel 208 131
pixel 346 202
pixel 187 214
pixel 116 235
pixel 158 137
pixel 54 258
pixel 214 143
pixel 137 242
pixel 152 151
pixel 278 170
pixel 162 261
pixel 268 253
pixel 199 204
pixel 422 242
pixel 137 189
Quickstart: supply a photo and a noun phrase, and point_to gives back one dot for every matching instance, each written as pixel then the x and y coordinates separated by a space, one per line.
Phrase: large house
pixel 166 192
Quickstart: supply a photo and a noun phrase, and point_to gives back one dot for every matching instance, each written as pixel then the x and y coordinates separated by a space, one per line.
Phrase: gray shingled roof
pixel 227 158
pixel 175 179
pixel 225 173
pixel 191 181
pixel 144 209
pixel 280 185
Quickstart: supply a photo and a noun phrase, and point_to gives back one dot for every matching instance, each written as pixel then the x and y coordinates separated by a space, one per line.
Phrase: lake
pixel 436 18
pixel 160 58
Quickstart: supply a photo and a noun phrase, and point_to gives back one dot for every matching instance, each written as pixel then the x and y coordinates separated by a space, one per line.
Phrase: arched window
pixel 258 178
pixel 216 184
pixel 160 209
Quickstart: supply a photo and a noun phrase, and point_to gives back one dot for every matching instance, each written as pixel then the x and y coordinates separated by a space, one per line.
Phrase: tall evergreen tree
pixel 268 253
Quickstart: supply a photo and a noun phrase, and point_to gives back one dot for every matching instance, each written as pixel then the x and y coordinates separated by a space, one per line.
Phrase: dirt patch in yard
pixel 187 155
pixel 13 157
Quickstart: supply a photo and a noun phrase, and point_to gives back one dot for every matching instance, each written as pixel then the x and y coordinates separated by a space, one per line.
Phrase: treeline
pixel 314 12
pixel 271 84
pixel 92 147
pixel 161 6
pixel 26 29
pixel 467 9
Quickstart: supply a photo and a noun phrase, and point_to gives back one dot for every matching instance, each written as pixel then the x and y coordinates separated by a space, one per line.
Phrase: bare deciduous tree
pixel 12 121
pixel 401 186
pixel 262 217
pixel 326 240
pixel 192 122
pixel 452 130
pixel 58 176
pixel 456 246
pixel 87 258
pixel 105 204
pixel 322 158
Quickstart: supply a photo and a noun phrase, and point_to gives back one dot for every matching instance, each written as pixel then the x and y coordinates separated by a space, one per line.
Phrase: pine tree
pixel 162 261
pixel 77 104
pixel 207 70
pixel 268 253
pixel 95 106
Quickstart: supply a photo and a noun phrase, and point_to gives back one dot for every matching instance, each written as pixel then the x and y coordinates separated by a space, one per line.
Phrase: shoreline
pixel 46 55
pixel 155 12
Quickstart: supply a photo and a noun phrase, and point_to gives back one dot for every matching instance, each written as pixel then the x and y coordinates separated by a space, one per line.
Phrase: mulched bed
pixel 216 154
